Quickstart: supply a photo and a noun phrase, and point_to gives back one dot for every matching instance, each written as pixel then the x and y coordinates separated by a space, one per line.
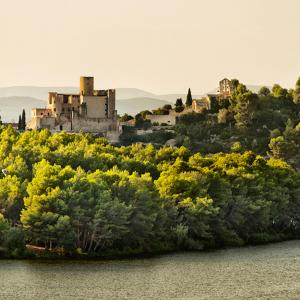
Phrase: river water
pixel 263 272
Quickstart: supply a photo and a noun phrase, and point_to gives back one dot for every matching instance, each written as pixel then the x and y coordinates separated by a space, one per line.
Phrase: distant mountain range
pixel 129 100
pixel 11 107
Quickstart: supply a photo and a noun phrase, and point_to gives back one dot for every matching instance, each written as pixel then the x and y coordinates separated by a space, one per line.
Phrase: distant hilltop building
pixel 225 91
pixel 89 111
pixel 204 103
pixel 225 88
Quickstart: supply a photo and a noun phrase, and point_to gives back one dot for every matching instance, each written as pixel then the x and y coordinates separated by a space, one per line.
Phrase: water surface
pixel 263 272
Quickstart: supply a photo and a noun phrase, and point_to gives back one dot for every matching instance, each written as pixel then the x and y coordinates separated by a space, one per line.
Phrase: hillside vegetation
pixel 267 123
pixel 74 194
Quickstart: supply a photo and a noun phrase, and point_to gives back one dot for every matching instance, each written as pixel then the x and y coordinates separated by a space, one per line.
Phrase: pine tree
pixel 179 105
pixel 20 123
pixel 179 102
pixel 189 98
pixel 23 119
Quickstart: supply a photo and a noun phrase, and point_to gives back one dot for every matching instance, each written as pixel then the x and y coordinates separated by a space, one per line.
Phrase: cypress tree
pixel 23 120
pixel 20 123
pixel 189 98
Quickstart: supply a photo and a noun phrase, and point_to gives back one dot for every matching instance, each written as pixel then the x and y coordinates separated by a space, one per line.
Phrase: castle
pixel 89 111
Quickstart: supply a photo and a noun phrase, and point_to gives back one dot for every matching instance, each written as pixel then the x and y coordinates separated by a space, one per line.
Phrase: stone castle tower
pixel 90 110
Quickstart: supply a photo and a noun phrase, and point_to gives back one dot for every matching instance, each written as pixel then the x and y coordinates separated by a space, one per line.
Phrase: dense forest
pixel 232 180
pixel 76 195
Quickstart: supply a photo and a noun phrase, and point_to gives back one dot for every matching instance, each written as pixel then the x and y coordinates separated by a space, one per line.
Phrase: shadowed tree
pixel 179 105
pixel 189 98
pixel 23 119
pixel 264 91
pixel 20 123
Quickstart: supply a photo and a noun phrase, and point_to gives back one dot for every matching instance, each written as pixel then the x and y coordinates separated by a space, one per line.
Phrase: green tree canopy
pixel 264 91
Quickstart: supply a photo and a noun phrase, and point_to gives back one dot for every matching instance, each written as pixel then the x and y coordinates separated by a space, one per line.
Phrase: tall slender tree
pixel 23 119
pixel 20 123
pixel 189 98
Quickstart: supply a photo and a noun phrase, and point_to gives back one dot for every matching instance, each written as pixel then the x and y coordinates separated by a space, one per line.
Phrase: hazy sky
pixel 163 46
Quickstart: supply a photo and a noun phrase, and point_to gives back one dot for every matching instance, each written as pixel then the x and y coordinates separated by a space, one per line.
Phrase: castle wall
pixel 41 123
pixel 96 106
pixel 87 125
pixel 167 119
pixel 48 122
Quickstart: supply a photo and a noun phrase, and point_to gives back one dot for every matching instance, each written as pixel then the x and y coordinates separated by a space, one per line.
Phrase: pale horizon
pixel 159 46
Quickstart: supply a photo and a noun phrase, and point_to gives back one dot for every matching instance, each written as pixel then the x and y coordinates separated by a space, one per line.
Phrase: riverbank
pixel 41 255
